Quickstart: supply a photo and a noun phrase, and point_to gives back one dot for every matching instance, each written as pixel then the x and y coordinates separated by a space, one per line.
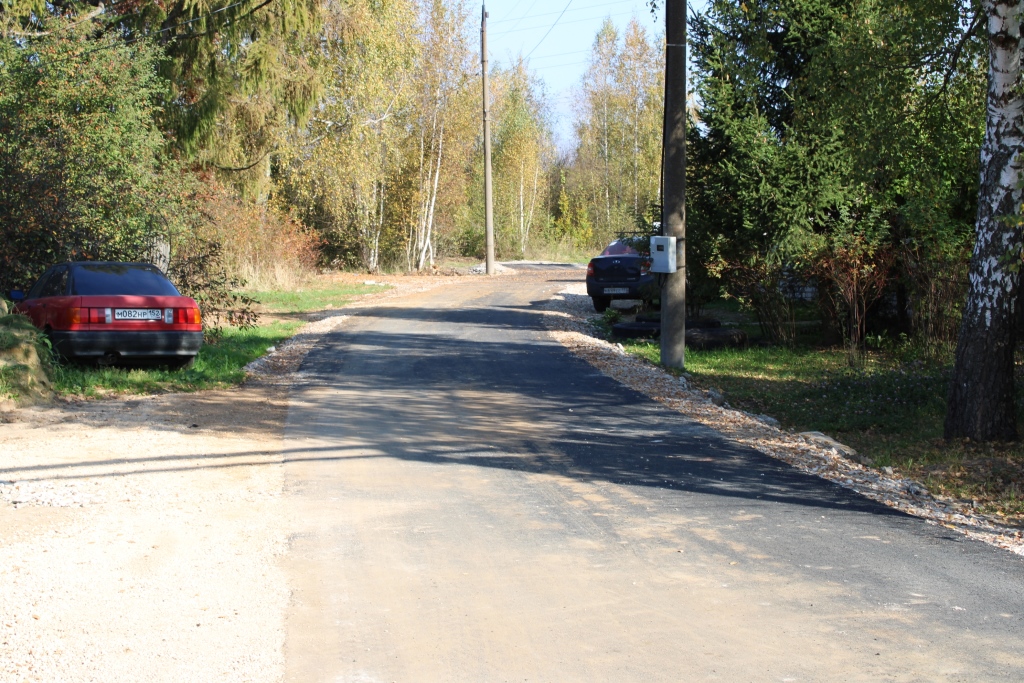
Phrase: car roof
pixel 107 263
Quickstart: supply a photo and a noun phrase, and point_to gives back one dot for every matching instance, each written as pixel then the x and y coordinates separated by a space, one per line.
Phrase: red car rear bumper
pixel 152 344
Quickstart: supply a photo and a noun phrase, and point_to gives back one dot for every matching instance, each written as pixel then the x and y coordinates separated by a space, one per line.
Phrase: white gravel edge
pixel 567 317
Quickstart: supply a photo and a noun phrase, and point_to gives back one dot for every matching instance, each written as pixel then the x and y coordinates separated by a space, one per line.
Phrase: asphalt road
pixel 473 503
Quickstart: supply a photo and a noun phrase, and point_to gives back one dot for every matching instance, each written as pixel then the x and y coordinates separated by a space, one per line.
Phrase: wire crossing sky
pixel 558 37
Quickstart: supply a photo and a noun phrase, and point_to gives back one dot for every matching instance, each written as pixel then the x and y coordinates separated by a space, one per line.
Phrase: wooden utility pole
pixel 673 206
pixel 488 199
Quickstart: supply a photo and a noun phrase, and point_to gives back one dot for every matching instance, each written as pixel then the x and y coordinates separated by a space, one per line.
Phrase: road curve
pixel 473 503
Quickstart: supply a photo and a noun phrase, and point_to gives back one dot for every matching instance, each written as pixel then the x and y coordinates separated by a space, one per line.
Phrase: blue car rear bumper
pixel 635 289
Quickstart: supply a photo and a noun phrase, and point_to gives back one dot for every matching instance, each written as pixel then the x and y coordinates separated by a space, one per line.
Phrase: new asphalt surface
pixel 473 503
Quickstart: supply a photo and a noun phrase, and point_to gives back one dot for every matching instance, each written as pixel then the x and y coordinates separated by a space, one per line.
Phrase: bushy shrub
pixel 198 270
pixel 26 359
pixel 80 155
pixel 258 243
pixel 13 329
pixel 472 242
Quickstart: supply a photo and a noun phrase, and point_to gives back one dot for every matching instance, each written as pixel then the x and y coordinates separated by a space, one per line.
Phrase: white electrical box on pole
pixel 663 254
pixel 673 210
pixel 488 200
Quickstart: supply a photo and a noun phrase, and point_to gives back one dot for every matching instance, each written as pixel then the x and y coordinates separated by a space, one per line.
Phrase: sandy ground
pixel 140 537
pixel 160 565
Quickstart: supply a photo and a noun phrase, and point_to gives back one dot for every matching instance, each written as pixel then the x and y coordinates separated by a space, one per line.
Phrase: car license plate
pixel 616 290
pixel 138 314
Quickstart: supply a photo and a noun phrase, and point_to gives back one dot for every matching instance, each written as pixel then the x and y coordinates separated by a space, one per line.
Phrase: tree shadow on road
pixel 521 403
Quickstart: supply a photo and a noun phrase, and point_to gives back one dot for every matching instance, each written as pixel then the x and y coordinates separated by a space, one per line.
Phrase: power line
pixel 556 66
pixel 525 14
pixel 549 30
pixel 563 54
pixel 548 14
pixel 95 13
pixel 574 21
pixel 158 32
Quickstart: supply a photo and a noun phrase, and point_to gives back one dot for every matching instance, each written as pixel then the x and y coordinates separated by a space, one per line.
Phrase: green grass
pixel 217 365
pixel 891 409
pixel 809 388
pixel 8 383
pixel 312 298
pixel 13 330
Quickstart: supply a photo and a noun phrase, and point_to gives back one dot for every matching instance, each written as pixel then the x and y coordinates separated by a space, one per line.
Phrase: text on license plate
pixel 138 314
pixel 616 290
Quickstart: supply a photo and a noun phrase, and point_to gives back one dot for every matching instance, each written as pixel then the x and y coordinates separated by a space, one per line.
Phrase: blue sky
pixel 558 44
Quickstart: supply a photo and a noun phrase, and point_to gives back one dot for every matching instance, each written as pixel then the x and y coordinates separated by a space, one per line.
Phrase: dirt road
pixel 443 493
pixel 473 504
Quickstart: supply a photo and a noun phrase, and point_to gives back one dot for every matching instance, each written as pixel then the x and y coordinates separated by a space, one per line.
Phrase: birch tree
pixel 341 172
pixel 639 81
pixel 595 122
pixel 981 402
pixel 522 155
pixel 442 79
pixel 618 127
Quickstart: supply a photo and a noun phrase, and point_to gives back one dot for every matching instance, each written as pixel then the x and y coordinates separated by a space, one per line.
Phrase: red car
pixel 114 312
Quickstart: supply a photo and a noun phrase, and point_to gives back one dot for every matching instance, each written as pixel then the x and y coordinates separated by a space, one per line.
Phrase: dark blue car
pixel 620 272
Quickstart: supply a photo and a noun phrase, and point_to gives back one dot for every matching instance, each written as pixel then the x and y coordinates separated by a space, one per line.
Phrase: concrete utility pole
pixel 488 200
pixel 673 208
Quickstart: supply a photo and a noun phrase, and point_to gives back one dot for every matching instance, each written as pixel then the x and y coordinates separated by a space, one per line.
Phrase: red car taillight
pixel 590 269
pixel 645 267
pixel 99 315
pixel 188 316
pixel 79 315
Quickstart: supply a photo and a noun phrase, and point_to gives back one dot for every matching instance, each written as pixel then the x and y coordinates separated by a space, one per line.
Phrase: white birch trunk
pixel 428 247
pixel 981 396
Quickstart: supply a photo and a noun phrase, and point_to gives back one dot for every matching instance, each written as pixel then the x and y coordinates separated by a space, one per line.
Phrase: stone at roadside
pixel 888 470
pixel 841 448
pixel 916 489
pixel 702 323
pixel 576 334
pixel 498 269
pixel 636 330
pixel 24 369
pixel 768 420
pixel 691 323
pixel 716 397
pixel 716 338
pixel 684 383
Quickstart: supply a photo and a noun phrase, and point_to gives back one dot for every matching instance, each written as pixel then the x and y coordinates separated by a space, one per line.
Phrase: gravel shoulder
pixel 568 317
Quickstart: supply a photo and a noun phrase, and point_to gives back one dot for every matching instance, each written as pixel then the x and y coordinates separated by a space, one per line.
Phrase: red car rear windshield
pixel 618 248
pixel 107 279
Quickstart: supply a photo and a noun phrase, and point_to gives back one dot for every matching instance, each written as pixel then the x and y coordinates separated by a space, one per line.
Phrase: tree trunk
pixel 981 396
pixel 533 203
pixel 428 228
